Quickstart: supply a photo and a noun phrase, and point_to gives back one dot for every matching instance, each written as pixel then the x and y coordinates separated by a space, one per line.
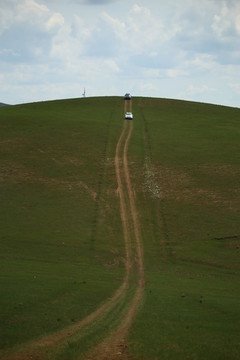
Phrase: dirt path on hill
pixel 37 350
pixel 137 230
pixel 114 347
pixel 123 209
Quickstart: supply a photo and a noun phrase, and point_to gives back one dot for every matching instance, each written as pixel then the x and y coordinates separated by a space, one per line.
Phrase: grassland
pixel 190 202
pixel 62 250
pixel 57 204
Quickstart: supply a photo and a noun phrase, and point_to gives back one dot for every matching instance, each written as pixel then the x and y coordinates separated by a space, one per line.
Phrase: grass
pixel 60 229
pixel 192 315
pixel 57 242
pixel 191 230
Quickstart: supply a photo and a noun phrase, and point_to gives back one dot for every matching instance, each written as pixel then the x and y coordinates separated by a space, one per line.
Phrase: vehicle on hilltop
pixel 127 96
pixel 128 115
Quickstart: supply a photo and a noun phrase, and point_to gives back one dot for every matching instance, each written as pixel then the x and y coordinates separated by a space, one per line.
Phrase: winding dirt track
pixel 114 346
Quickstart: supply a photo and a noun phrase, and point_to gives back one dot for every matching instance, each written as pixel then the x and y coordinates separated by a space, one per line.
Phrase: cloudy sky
pixel 184 49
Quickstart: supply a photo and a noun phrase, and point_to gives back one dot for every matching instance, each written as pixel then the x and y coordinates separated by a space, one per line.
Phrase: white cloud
pixel 112 65
pixel 97 2
pixel 6 18
pixel 237 23
pixel 186 48
pixel 65 47
pixel 149 73
pixel 174 73
pixel 193 89
pixel 117 25
pixel 143 28
pixel 227 20
pixel 203 61
pixel 8 52
pixel 147 86
pixel 30 10
pixel 141 10
pixel 235 86
pixel 56 20
pixel 13 12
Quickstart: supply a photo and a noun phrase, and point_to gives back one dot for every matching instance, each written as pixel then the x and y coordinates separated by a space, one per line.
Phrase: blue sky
pixel 184 49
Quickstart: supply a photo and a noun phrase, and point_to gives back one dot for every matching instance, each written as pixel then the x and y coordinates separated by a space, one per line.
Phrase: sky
pixel 179 49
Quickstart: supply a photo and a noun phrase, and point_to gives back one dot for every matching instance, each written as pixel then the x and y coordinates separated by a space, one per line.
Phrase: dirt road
pixel 114 347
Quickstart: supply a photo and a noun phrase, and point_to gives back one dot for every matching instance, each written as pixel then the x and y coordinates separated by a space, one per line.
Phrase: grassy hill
pixel 2 104
pixel 62 253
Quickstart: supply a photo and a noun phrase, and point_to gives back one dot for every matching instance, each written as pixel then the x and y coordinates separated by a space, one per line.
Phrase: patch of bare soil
pixel 16 173
pixel 172 183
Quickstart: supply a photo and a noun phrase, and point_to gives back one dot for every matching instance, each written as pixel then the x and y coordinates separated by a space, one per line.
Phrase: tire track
pixel 134 216
pixel 114 347
pixel 162 228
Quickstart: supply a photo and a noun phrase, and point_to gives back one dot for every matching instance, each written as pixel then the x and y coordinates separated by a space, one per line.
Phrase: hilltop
pixel 123 231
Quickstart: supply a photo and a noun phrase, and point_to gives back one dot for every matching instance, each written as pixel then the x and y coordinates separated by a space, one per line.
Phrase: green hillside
pixel 62 250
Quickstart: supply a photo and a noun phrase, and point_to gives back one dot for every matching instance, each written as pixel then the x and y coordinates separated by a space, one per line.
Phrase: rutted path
pixel 113 347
